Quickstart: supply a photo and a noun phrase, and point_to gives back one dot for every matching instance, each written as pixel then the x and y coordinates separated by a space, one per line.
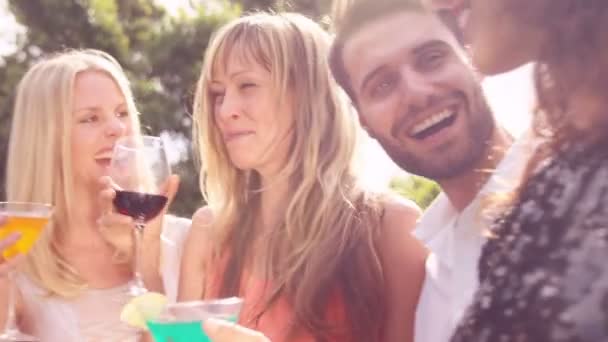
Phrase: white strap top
pixel 95 315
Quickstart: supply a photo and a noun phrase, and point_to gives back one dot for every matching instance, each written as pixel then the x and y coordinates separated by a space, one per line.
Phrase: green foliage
pixel 165 96
pixel 315 9
pixel 420 190
pixel 161 54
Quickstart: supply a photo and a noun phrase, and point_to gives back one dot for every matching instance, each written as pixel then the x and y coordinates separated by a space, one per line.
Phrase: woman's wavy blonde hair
pixel 39 156
pixel 327 238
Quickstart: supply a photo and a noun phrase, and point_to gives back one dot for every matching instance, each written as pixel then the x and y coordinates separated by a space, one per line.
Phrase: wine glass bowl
pixel 28 219
pixel 140 172
pixel 181 322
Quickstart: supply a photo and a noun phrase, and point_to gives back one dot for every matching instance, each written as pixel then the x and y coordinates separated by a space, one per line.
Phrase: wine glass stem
pixel 139 233
pixel 11 318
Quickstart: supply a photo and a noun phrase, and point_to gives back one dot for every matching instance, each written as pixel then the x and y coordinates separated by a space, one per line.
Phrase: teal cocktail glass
pixel 181 322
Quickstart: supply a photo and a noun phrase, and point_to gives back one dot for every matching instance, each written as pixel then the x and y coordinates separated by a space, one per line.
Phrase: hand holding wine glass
pixel 140 173
pixel 117 228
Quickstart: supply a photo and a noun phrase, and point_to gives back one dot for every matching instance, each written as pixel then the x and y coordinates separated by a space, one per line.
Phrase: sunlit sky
pixel 510 96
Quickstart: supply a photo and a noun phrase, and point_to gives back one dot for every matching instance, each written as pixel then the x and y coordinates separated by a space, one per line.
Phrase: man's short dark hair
pixel 361 13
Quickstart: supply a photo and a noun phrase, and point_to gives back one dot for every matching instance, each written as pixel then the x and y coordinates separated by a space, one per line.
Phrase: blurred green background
pixel 160 44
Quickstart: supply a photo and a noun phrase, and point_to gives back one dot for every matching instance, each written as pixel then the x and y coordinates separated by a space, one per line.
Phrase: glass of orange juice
pixel 28 219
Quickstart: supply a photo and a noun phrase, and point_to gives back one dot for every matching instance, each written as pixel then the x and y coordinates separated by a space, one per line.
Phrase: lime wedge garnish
pixel 140 309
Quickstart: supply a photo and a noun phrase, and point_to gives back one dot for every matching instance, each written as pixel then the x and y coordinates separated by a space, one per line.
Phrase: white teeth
pixel 432 121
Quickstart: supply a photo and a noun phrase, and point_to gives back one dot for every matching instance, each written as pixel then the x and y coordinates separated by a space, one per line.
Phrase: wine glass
pixel 140 171
pixel 181 322
pixel 29 219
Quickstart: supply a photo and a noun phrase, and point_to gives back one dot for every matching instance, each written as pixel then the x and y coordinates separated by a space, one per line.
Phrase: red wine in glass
pixel 140 172
pixel 139 205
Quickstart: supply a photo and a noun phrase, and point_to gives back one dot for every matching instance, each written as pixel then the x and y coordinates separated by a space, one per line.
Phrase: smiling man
pixel 417 94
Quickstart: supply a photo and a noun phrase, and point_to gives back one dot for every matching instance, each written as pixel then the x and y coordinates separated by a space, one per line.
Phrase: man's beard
pixel 444 162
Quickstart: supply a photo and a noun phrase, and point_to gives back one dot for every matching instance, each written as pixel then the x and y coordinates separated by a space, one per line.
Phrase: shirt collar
pixel 442 222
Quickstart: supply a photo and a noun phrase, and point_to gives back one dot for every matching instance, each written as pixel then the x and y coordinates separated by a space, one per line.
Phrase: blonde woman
pixel 288 227
pixel 70 110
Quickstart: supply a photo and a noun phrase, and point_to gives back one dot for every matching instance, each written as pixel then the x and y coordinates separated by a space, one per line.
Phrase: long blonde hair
pixel 327 239
pixel 39 156
pixel 338 11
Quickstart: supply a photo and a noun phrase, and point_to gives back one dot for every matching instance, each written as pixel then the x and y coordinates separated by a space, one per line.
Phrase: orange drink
pixel 30 227
pixel 29 219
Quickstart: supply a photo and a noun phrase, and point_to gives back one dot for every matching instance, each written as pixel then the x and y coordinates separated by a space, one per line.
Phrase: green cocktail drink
pixel 181 322
pixel 179 331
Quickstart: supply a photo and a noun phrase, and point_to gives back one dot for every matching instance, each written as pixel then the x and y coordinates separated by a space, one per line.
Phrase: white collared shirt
pixel 455 240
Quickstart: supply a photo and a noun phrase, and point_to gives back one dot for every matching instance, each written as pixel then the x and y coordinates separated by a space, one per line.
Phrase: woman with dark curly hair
pixel 543 273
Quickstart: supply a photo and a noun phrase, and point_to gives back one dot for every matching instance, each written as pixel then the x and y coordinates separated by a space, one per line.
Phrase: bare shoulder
pixel 199 237
pixel 202 220
pixel 402 257
pixel 400 214
pixel 203 216
pixel 396 238
pixel 196 256
pixel 200 231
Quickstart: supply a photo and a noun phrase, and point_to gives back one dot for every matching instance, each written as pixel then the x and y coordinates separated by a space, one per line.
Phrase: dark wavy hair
pixel 574 57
